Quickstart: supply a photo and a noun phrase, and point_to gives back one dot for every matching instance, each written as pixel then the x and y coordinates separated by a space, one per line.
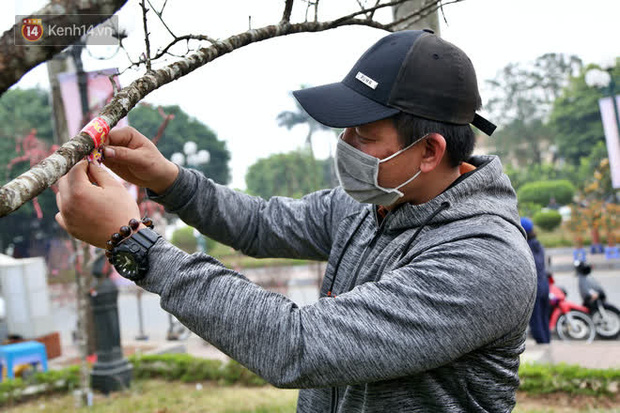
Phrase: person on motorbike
pixel 605 316
pixel 589 289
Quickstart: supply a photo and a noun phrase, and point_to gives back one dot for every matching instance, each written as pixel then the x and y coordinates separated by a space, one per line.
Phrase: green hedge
pixel 165 366
pixel 541 192
pixel 571 379
pixel 547 220
pixel 184 239
pixel 535 378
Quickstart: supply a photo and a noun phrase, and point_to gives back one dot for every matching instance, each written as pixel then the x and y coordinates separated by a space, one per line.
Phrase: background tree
pixel 299 116
pixel 576 119
pixel 523 97
pixel 21 110
pixel 292 174
pixel 184 128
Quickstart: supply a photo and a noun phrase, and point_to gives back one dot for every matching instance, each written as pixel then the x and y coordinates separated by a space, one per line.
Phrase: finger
pixel 127 137
pixel 61 221
pixel 77 177
pixel 118 154
pixel 58 201
pixel 101 176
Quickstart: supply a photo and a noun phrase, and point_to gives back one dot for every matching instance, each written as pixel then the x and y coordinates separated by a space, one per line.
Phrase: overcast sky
pixel 240 95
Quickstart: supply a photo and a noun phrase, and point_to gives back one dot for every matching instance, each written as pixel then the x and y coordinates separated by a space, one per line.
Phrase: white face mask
pixel 358 174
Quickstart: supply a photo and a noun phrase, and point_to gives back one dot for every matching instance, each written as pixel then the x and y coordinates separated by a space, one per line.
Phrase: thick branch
pixel 31 183
pixel 15 61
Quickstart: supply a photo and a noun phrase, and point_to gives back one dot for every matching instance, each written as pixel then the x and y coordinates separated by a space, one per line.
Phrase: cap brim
pixel 337 106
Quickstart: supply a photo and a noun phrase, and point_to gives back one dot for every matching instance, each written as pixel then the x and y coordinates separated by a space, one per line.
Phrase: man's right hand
pixel 133 157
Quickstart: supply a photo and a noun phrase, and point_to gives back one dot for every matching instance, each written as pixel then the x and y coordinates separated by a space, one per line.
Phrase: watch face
pixel 125 263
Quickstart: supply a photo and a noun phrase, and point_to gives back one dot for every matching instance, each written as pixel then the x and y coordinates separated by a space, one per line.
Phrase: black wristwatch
pixel 130 257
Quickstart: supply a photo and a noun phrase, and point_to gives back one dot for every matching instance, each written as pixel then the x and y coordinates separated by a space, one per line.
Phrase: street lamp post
pixel 604 79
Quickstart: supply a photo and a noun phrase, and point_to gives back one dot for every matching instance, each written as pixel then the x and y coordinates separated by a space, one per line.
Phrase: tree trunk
pixel 429 21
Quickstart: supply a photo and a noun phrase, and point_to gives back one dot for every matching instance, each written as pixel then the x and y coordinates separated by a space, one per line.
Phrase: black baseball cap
pixel 412 71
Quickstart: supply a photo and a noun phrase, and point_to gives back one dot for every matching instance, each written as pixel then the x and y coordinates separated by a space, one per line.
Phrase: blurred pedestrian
pixel 539 322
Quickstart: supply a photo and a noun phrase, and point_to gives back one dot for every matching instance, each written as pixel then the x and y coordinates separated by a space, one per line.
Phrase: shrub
pixel 184 239
pixel 547 220
pixel 541 192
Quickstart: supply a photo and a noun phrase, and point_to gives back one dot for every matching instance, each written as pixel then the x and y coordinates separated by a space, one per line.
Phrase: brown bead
pixel 148 222
pixel 125 231
pixel 108 254
pixel 109 245
pixel 134 223
pixel 116 238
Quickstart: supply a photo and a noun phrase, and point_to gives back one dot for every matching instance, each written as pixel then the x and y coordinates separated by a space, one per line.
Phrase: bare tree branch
pixel 288 8
pixel 146 36
pixel 161 19
pixel 15 61
pixel 181 38
pixel 31 183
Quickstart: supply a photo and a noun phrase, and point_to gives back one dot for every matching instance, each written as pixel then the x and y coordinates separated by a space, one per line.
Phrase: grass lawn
pixel 158 396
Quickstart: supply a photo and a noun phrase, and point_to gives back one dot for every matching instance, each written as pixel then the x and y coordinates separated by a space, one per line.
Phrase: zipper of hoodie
pixel 362 261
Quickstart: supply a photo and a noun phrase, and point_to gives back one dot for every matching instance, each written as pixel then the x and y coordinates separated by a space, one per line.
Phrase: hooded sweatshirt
pixel 427 312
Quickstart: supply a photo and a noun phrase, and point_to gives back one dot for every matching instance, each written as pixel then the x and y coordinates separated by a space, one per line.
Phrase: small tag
pixel 98 130
pixel 366 80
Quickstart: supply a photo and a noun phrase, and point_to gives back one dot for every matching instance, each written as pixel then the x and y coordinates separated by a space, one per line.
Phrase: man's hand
pixel 133 157
pixel 92 213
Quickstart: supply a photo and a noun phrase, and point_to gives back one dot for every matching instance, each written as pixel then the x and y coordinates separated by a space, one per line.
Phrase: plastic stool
pixel 30 352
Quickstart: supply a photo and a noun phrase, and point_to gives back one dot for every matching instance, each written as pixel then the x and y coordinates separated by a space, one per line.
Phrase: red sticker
pixel 97 129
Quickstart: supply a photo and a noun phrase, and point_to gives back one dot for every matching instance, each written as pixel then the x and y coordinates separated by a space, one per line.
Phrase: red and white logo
pixel 32 29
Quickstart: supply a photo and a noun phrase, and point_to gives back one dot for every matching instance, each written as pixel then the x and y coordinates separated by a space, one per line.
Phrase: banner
pixel 612 137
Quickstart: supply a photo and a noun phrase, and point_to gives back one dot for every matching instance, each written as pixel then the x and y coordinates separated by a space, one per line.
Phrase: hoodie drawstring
pixel 444 205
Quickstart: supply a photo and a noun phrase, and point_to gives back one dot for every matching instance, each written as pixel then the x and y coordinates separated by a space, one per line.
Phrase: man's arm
pixel 280 227
pixel 416 318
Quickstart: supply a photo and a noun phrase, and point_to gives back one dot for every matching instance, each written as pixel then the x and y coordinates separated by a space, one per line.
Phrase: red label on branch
pixel 97 129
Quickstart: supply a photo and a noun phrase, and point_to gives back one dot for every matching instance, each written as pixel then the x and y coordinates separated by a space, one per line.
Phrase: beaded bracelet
pixel 125 232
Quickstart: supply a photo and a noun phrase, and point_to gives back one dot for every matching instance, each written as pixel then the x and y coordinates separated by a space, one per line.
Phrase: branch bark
pixel 16 61
pixel 31 183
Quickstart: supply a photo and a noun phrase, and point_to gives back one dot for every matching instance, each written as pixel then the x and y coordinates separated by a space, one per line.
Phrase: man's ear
pixel 434 149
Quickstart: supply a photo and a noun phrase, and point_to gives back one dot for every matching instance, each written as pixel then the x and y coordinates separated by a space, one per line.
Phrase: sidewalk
pixel 596 355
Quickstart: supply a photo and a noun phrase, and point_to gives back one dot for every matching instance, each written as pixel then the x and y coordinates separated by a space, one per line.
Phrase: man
pixel 539 321
pixel 429 283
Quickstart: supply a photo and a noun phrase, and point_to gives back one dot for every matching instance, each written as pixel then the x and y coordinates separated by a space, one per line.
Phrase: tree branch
pixel 288 8
pixel 15 61
pixel 146 36
pixel 31 183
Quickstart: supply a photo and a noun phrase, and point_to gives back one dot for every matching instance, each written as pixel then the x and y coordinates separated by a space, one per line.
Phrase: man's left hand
pixel 92 213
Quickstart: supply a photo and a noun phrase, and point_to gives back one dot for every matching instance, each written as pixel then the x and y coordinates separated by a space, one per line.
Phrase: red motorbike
pixel 569 320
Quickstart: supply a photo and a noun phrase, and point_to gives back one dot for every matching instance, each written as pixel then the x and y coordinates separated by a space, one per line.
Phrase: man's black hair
pixel 460 139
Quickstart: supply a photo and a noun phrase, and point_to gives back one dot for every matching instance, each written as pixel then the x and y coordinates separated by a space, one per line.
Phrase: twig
pixel 316 11
pixel 286 15
pixel 146 37
pixel 372 13
pixel 181 38
pixel 159 14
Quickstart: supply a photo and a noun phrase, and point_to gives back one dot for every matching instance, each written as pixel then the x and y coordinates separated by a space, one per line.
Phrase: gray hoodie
pixel 430 307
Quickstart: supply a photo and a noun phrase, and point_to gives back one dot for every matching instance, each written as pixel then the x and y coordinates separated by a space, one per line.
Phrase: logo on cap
pixel 366 80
